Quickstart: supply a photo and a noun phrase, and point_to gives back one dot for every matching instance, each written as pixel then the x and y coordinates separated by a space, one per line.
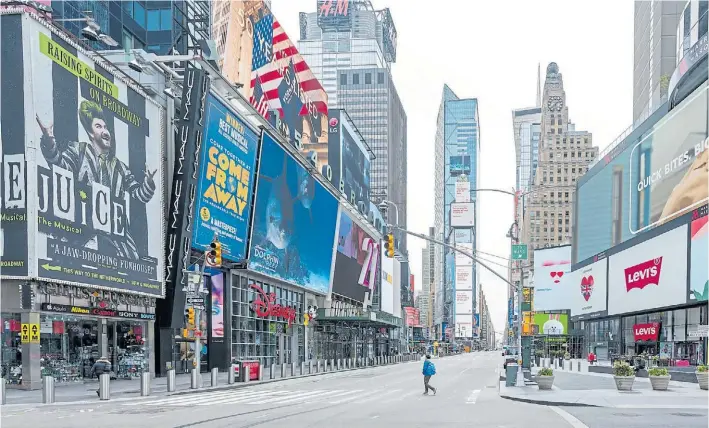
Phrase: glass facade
pixel 270 340
pixel 148 25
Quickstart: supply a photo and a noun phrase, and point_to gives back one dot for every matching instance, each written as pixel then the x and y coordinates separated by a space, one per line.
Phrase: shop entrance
pixel 126 347
pixel 283 349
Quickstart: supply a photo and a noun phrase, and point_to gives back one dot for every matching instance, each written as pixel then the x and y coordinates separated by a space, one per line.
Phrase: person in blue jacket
pixel 428 370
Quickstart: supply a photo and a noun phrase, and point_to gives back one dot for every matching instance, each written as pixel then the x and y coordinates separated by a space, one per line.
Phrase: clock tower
pixel 555 113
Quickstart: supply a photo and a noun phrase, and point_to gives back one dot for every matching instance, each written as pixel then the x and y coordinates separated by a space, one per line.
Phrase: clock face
pixel 555 103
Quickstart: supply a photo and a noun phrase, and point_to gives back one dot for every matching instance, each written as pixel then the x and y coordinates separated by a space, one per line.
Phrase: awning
pixel 370 318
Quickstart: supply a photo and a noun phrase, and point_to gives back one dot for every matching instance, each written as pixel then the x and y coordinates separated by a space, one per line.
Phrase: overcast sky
pixel 489 50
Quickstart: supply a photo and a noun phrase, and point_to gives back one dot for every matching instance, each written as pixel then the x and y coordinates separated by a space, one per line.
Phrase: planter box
pixel 660 383
pixel 544 382
pixel 703 379
pixel 624 383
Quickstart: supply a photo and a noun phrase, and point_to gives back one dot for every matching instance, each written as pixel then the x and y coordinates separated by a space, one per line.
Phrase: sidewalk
pixel 121 390
pixel 598 390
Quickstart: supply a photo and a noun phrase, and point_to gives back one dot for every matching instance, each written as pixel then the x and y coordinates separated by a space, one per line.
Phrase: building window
pixel 355 79
pixel 127 41
pixel 617 206
pixel 128 7
pixel 380 78
pixel 343 79
pixel 368 78
pixel 139 14
pixel 166 19
pixel 153 20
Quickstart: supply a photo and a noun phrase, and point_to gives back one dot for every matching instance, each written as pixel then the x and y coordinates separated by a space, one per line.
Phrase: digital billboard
pixel 460 165
pixel 699 254
pixel 94 150
pixel 670 165
pixel 225 182
pixel 463 302
pixel 552 324
pixel 589 290
pixel 464 325
pixel 349 159
pixel 283 88
pixel 397 288
pixel 386 297
pixel 552 282
pixel 217 309
pixel 356 260
pixel 462 214
pixel 294 222
pixel 649 275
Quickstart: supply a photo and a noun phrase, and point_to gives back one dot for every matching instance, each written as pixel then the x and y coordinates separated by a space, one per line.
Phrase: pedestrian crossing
pixel 280 397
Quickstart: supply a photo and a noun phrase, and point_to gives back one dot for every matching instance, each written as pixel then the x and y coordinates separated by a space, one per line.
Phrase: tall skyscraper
pixel 564 155
pixel 654 53
pixel 350 47
pixel 427 281
pixel 457 152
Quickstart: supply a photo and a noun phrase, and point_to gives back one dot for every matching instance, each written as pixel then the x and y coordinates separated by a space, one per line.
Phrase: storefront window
pixel 680 322
pixel 68 346
pixel 11 348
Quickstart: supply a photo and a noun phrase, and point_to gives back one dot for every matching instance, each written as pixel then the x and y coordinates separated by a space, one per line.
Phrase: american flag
pixel 270 40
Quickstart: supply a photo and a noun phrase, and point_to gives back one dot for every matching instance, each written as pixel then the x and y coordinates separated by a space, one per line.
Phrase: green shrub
pixel 702 369
pixel 567 356
pixel 546 371
pixel 658 371
pixel 622 368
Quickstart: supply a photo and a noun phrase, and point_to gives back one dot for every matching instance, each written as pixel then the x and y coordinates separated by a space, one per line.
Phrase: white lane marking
pixel 568 417
pixel 343 400
pixel 193 397
pixel 464 370
pixel 244 399
pixel 377 396
pixel 660 406
pixel 282 400
pixel 473 397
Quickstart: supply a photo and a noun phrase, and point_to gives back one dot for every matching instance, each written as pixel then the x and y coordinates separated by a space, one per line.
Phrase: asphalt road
pixel 389 396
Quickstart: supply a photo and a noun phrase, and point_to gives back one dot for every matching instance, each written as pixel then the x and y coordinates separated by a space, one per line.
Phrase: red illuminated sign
pixel 646 332
pixel 265 306
pixel 334 8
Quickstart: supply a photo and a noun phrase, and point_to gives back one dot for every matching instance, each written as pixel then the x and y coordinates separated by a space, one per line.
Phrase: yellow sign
pixel 34 333
pixel 25 333
pixel 75 66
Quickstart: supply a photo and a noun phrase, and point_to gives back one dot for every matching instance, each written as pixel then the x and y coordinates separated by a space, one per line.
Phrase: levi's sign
pixel 646 332
pixel 643 274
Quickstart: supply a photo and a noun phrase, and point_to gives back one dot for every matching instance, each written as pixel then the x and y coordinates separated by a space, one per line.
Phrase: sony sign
pixel 191 122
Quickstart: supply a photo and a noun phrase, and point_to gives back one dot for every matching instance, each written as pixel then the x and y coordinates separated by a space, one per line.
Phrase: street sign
pixel 195 300
pixel 519 252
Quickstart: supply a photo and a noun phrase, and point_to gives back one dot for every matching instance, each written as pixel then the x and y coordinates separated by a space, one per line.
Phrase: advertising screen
pixel 225 182
pixel 649 275
pixel 462 191
pixel 97 147
pixel 699 254
pixel 462 214
pixel 463 302
pixel 669 166
pixel 462 259
pixel 412 316
pixel 386 298
pixel 349 159
pixel 460 165
pixel 552 282
pixel 284 89
pixel 552 324
pixel 464 326
pixel 294 222
pixel 217 293
pixel 356 260
pixel 589 289
pixel 397 288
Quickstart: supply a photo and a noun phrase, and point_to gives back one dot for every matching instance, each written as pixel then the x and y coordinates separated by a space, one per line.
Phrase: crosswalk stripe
pixel 302 397
pixel 473 397
pixel 346 399
pixel 378 396
pixel 207 396
pixel 247 399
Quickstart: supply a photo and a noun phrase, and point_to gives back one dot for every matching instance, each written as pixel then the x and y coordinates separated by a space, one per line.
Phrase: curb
pixel 547 402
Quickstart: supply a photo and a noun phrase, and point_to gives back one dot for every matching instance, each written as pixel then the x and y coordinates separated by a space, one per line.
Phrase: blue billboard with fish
pixel 294 222
pixel 225 182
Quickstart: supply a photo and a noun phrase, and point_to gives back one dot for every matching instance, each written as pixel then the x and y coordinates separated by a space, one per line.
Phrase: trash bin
pixel 511 374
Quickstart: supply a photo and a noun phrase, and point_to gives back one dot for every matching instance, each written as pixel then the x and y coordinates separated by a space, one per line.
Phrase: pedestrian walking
pixel 101 366
pixel 429 369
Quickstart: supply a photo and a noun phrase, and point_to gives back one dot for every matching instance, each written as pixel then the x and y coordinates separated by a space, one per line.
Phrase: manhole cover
pixel 688 415
pixel 627 415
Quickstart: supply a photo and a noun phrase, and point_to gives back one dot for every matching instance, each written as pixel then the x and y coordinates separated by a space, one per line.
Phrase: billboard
pixel 412 316
pixel 397 288
pixel 283 88
pixel 217 294
pixel 349 159
pixel 463 235
pixel 462 214
pixel 295 219
pixel 464 326
pixel 649 275
pixel 589 289
pixel 699 254
pixel 94 150
pixel 462 191
pixel 460 165
pixel 386 298
pixel 552 282
pixel 356 260
pixel 669 166
pixel 225 182
pixel 552 324
pixel 334 15
pixel 462 259
pixel 463 302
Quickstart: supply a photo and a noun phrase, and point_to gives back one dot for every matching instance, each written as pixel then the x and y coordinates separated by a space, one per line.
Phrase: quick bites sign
pixel 649 275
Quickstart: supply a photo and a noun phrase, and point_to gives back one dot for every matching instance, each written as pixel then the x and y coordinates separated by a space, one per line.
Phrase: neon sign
pixel 265 306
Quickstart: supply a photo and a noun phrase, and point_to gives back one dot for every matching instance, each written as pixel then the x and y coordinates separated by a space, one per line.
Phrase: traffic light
pixel 215 253
pixel 190 316
pixel 389 245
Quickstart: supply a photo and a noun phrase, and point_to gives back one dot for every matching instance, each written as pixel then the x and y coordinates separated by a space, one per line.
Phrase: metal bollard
pixel 144 384
pixel 104 386
pixel 194 379
pixel 231 376
pixel 302 368
pixel 578 365
pixel 247 374
pixel 47 389
pixel 215 376
pixel 310 367
pixel 2 388
pixel 339 364
pixel 260 372
pixel 332 364
pixel 283 370
pixel 317 367
pixel 171 380
pixel 292 369
pixel 272 371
